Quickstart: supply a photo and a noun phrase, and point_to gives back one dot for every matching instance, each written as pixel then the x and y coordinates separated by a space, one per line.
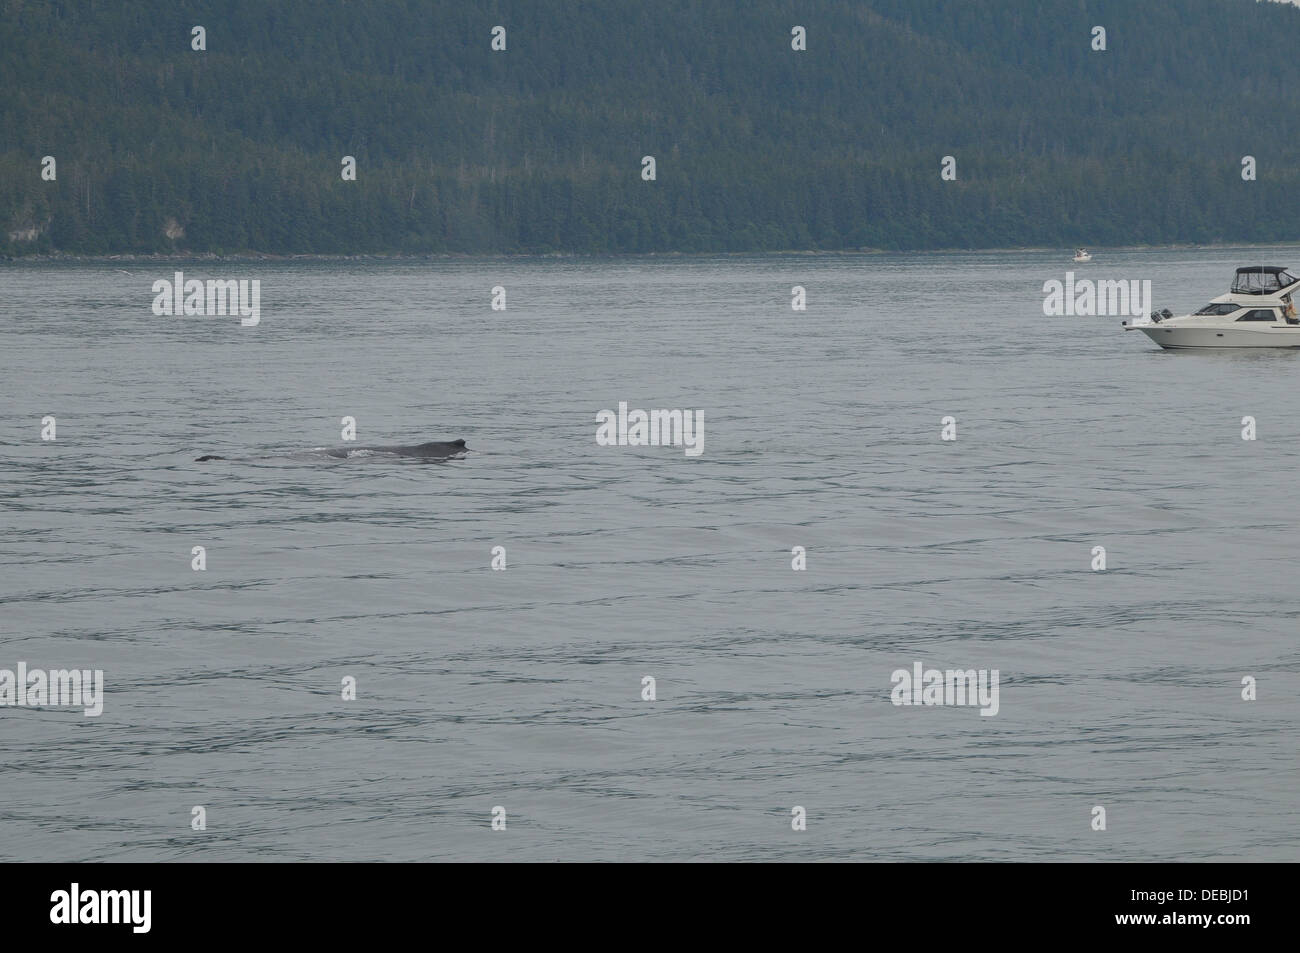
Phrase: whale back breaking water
pixel 431 450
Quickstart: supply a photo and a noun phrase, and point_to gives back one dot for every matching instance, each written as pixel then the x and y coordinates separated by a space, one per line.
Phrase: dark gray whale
pixel 433 450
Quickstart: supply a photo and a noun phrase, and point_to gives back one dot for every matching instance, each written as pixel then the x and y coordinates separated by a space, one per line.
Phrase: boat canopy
pixel 1262 280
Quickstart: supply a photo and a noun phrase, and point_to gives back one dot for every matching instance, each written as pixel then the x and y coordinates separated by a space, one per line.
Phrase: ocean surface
pixel 522 689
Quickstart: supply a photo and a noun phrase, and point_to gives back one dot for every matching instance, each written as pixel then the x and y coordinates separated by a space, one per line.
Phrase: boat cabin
pixel 1259 293
pixel 1262 280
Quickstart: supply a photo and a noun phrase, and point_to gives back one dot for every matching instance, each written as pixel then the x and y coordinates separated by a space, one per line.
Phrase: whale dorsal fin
pixel 459 443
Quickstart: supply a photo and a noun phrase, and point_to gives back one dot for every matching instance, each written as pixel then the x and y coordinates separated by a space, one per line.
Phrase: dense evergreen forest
pixel 161 148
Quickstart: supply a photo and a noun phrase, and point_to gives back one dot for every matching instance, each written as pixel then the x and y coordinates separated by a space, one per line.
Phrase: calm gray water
pixel 522 688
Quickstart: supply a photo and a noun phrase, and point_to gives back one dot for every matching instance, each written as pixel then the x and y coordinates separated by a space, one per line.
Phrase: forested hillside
pixel 538 148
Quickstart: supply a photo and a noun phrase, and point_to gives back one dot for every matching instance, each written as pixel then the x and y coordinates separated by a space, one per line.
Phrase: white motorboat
pixel 1257 312
pixel 1081 254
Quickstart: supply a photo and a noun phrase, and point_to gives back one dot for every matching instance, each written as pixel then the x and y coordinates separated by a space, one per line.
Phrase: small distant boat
pixel 1081 254
pixel 1257 312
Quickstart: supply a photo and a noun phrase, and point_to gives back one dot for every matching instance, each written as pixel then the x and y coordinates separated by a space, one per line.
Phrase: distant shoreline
pixel 61 258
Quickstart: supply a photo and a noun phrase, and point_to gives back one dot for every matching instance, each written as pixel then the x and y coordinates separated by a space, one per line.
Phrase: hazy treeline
pixel 538 148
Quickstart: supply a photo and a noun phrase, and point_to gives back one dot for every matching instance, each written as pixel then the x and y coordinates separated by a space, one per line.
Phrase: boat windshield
pixel 1262 280
pixel 1219 309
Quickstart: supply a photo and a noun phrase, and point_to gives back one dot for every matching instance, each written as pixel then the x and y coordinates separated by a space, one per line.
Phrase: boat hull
pixel 1269 335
